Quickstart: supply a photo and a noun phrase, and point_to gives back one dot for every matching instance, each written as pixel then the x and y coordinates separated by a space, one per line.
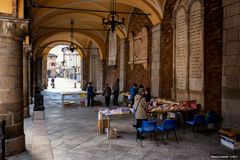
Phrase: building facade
pixel 51 65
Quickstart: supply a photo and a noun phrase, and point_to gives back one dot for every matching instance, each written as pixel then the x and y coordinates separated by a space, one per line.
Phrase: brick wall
pixel 231 64
pixel 14 2
pixel 112 72
pixel 213 20
pixel 167 49
pixel 139 75
pixel 212 52
pixel 86 69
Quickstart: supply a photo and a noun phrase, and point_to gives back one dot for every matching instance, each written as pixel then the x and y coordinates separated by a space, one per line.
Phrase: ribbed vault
pixel 44 18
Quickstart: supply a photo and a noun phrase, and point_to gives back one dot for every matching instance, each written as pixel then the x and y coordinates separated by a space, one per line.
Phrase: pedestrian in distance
pixel 116 91
pixel 52 82
pixel 107 94
pixel 90 94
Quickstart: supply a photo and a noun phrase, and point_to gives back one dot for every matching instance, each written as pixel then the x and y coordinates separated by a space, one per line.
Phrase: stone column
pixel 30 81
pixel 32 78
pixel 231 64
pixel 93 67
pixel 39 72
pixel 100 75
pixel 11 80
pixel 156 62
pixel 81 73
pixel 44 73
pixel 26 50
pixel 122 71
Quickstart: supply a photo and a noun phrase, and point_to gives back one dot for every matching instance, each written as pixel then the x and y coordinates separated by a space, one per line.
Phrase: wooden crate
pixel 69 104
pixel 112 133
pixel 83 103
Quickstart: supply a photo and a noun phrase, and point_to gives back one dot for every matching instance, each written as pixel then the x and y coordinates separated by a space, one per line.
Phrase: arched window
pixel 53 64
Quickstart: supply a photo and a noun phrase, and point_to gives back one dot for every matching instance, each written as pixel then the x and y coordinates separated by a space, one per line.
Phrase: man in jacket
pixel 107 94
pixel 133 92
pixel 90 94
pixel 140 107
pixel 116 92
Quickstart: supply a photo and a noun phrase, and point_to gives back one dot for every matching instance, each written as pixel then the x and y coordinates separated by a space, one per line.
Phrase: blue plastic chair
pixel 168 125
pixel 211 118
pixel 195 123
pixel 147 127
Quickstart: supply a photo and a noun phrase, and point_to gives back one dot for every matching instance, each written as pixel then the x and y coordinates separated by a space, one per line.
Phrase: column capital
pixel 27 48
pixel 14 28
pixel 156 28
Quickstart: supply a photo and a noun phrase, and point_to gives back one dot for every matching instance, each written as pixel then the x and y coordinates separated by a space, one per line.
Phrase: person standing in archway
pixel 107 94
pixel 53 84
pixel 90 94
pixel 116 92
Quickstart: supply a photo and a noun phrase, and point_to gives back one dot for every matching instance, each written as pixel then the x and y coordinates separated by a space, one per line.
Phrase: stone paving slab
pixel 72 135
pixel 41 148
pixel 38 115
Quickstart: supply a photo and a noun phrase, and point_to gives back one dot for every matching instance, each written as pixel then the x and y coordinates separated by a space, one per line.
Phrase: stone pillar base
pixel 15 145
pixel 26 112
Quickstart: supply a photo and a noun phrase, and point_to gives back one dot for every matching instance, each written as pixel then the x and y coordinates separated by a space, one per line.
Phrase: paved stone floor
pixel 72 132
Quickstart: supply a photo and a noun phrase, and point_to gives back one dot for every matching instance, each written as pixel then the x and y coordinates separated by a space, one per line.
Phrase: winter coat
pixel 133 92
pixel 140 107
pixel 116 87
pixel 107 92
pixel 90 91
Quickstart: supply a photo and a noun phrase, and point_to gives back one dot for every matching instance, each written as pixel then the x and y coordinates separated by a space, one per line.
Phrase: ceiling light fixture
pixel 113 20
pixel 72 46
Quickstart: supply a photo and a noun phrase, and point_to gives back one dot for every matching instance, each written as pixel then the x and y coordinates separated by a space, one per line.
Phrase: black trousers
pixel 90 100
pixel 132 102
pixel 107 101
pixel 139 125
pixel 115 97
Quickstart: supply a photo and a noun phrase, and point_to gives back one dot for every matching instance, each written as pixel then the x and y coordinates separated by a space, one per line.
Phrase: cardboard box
pixel 102 124
pixel 83 103
pixel 83 95
pixel 227 132
pixel 112 133
pixel 230 138
pixel 69 104
pixel 229 142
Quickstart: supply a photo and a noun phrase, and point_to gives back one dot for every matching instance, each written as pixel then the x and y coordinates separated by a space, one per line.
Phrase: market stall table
pixel 82 94
pixel 161 106
pixel 105 114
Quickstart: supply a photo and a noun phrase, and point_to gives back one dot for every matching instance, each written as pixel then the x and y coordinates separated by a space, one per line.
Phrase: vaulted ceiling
pixel 44 18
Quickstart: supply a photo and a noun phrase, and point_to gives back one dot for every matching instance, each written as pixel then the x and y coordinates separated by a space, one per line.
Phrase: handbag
pixel 135 110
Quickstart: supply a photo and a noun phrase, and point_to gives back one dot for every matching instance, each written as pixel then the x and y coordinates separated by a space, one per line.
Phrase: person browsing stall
pixel 148 94
pixel 133 92
pixel 140 107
